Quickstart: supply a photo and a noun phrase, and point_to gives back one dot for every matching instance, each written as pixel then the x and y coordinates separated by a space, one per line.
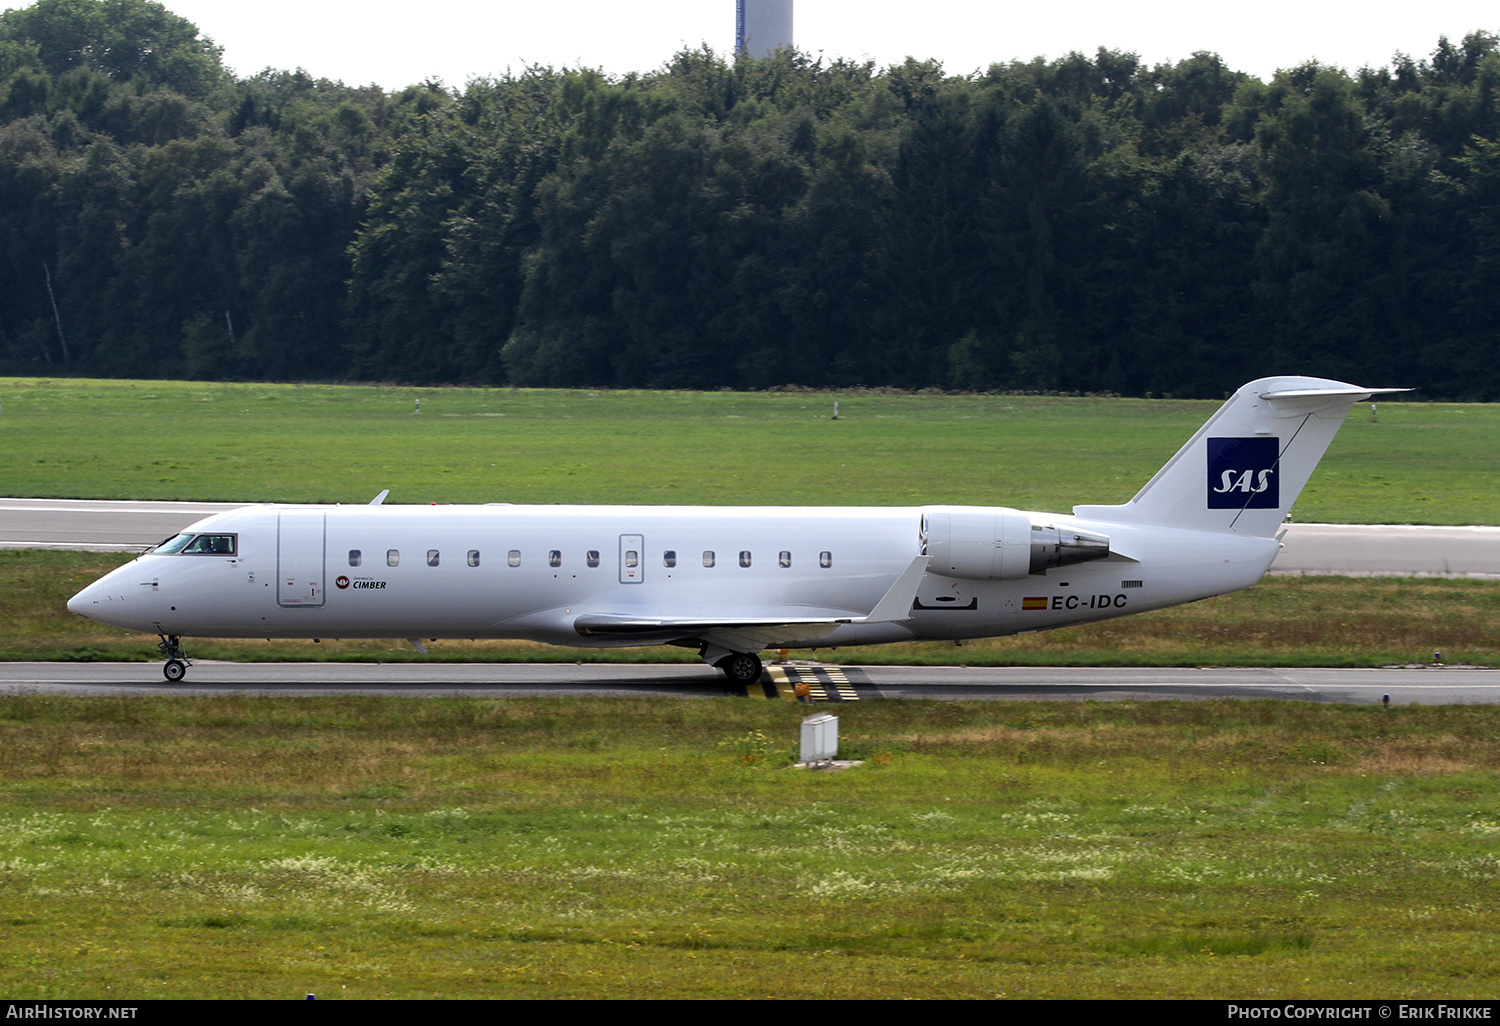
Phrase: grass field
pixel 581 847
pixel 379 847
pixel 1432 463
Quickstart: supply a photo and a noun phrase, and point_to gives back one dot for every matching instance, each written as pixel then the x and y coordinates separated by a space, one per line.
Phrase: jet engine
pixel 986 543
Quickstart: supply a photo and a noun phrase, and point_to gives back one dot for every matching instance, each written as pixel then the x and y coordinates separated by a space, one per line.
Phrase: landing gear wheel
pixel 741 667
pixel 177 660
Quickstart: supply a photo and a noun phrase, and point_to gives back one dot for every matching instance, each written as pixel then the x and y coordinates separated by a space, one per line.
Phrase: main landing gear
pixel 741 667
pixel 177 661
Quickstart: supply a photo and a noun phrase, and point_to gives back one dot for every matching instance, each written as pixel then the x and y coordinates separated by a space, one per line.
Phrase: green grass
pixel 578 847
pixel 1283 621
pixel 1422 463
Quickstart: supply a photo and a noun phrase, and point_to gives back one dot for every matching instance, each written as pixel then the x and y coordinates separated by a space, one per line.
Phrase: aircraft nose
pixel 81 603
pixel 90 600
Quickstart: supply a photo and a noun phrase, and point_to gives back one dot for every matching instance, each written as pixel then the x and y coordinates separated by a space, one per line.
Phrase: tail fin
pixel 1243 469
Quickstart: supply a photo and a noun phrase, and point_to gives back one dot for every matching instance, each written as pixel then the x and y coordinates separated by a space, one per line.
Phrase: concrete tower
pixel 761 27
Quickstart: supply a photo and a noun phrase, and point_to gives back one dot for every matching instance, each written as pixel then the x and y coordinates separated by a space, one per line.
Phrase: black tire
pixel 174 670
pixel 742 667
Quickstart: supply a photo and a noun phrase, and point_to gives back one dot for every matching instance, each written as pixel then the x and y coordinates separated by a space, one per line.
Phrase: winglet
pixel 897 602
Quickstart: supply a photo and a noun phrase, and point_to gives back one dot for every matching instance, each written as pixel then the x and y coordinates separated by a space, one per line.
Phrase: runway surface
pixel 1309 548
pixel 1433 685
pixel 93 525
pixel 1406 551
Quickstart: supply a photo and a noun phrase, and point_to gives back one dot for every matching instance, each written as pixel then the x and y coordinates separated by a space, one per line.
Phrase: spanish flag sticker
pixel 1033 603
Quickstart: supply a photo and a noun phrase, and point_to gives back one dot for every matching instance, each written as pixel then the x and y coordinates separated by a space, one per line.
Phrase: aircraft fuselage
pixel 733 581
pixel 530 572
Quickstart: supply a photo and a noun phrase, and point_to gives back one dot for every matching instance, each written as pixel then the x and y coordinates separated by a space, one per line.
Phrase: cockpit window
pixel 174 544
pixel 211 545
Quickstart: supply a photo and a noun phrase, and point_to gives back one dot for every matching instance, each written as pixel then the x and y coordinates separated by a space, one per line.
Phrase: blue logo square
pixel 1243 473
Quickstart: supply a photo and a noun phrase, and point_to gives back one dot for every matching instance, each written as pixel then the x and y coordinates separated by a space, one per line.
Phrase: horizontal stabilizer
pixel 1358 394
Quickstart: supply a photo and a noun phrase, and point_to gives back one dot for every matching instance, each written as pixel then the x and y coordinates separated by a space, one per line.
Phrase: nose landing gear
pixel 177 662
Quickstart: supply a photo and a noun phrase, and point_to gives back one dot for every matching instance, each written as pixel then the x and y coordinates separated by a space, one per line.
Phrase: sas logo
pixel 342 582
pixel 1242 473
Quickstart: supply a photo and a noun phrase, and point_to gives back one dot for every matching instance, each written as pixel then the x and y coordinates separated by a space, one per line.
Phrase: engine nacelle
pixel 983 543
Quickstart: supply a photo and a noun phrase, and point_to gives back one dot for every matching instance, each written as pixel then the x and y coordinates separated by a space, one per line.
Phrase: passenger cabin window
pixel 669 558
pixel 355 557
pixel 784 560
pixel 744 558
pixel 392 557
pixel 708 557
pixel 432 557
pixel 513 557
pixel 211 545
pixel 592 557
pixel 825 559
pixel 473 557
pixel 632 558
pixel 554 558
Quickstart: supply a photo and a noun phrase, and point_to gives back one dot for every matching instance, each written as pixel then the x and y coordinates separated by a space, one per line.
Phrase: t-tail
pixel 1243 470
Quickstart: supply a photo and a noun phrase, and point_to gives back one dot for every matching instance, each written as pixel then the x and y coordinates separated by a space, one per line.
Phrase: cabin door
pixel 632 561
pixel 300 541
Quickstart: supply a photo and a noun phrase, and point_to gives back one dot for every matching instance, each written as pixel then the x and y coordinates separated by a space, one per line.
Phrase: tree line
pixel 1080 224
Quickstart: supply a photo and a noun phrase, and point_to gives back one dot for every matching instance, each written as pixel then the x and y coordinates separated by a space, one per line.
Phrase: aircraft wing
pixel 740 634
pixel 753 632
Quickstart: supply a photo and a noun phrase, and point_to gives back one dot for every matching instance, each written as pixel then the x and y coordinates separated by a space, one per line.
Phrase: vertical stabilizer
pixel 1244 468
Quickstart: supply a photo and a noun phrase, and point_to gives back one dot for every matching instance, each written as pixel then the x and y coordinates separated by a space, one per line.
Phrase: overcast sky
pixel 397 44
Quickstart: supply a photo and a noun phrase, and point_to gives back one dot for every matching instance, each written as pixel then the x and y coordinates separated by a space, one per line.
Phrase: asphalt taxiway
pixel 1425 685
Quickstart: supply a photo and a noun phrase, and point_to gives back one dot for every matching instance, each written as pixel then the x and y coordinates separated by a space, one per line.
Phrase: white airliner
pixel 733 581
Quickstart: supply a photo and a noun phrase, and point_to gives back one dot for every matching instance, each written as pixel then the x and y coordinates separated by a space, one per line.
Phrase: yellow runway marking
pixel 824 684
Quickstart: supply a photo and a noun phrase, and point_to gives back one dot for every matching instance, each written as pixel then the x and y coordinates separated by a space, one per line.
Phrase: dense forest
pixel 1083 224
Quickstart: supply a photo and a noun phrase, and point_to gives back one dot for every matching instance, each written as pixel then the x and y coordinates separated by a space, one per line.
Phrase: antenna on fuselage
pixel 380 498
